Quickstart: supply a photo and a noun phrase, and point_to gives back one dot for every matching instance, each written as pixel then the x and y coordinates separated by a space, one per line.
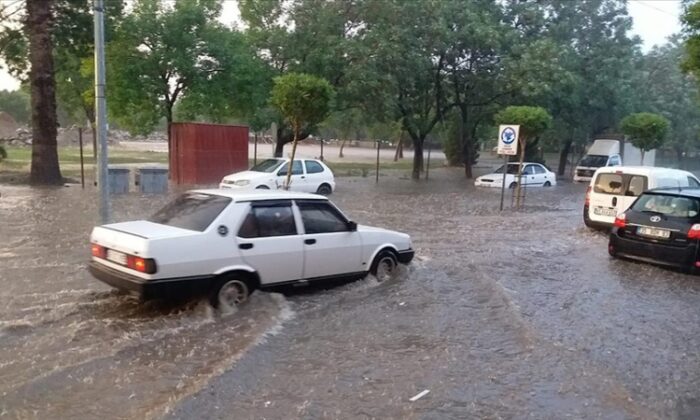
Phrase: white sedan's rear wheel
pixel 230 294
pixel 324 189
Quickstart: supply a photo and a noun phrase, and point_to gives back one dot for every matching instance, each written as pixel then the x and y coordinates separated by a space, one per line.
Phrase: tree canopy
pixel 646 131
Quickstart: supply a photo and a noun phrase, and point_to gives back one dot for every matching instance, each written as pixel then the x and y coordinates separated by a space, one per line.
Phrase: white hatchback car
pixel 308 175
pixel 534 175
pixel 228 244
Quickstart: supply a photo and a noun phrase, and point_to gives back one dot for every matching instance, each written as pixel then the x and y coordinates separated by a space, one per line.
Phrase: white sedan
pixel 308 175
pixel 227 244
pixel 534 175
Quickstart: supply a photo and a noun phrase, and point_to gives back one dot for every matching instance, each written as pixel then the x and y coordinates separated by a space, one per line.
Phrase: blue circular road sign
pixel 508 135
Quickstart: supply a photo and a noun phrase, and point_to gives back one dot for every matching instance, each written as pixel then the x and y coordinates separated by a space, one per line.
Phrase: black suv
pixel 661 227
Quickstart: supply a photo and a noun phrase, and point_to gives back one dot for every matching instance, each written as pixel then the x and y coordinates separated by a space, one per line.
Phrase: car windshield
pixel 669 205
pixel 268 165
pixel 512 169
pixel 594 161
pixel 191 211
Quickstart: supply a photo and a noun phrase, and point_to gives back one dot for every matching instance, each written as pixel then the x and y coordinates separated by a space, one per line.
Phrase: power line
pixel 643 3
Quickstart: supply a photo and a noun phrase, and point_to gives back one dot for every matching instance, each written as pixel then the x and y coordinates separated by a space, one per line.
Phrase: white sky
pixel 654 21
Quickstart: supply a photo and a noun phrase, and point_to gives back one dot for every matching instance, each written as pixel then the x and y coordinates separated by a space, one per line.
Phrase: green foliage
pixel 3 154
pixel 646 131
pixel 302 99
pixel 16 103
pixel 164 53
pixel 533 120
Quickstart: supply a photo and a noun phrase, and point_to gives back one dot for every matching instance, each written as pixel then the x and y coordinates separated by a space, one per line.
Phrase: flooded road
pixel 501 315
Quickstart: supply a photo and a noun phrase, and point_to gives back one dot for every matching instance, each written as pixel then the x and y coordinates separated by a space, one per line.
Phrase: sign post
pixel 507 146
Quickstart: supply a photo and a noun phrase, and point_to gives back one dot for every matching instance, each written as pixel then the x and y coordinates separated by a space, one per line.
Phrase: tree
pixel 303 100
pixel 39 23
pixel 314 37
pixel 166 52
pixel 15 103
pixel 645 130
pixel 672 94
pixel 533 121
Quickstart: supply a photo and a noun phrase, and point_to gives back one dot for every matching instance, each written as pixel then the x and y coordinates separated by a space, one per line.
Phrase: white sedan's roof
pixel 260 194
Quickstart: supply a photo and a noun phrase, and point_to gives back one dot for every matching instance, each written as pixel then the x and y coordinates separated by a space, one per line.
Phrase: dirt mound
pixel 8 125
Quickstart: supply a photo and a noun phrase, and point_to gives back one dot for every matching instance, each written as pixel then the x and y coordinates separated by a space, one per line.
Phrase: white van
pixel 601 153
pixel 613 189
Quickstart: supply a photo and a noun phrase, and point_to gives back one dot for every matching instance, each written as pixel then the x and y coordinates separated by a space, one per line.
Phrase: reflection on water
pixel 513 315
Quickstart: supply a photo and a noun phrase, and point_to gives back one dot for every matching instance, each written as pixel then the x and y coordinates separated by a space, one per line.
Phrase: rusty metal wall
pixel 205 153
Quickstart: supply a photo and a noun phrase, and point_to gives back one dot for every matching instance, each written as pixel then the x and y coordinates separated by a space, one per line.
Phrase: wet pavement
pixel 501 315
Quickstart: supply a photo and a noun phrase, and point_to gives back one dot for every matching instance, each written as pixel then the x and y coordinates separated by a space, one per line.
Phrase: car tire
pixel 547 184
pixel 262 187
pixel 385 266
pixel 230 293
pixel 513 185
pixel 324 189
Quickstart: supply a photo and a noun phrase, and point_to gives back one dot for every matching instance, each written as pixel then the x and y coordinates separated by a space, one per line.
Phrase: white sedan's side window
pixel 321 218
pixel 266 221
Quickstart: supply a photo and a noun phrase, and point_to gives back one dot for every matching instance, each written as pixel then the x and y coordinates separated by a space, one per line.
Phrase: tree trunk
pixel 679 155
pixel 291 160
pixel 399 149
pixel 642 152
pixel 466 142
pixel 417 158
pixel 342 146
pixel 45 169
pixel 564 156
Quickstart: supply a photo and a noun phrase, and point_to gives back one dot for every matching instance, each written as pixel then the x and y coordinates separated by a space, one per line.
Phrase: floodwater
pixel 501 315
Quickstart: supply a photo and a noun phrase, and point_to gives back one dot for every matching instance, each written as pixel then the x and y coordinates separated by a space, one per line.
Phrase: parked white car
pixel 228 244
pixel 534 175
pixel 308 175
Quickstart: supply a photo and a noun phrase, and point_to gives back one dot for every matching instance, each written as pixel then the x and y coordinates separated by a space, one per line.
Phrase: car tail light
pixel 621 220
pixel 694 231
pixel 143 265
pixel 98 251
pixel 588 196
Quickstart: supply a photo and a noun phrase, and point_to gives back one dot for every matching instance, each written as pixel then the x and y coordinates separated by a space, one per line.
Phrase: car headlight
pixel 226 181
pixel 242 182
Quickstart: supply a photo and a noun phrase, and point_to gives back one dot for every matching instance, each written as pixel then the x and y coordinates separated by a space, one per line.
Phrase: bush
pixel 3 153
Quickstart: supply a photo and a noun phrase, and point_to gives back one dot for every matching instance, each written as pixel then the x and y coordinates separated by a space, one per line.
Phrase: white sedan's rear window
pixel 191 211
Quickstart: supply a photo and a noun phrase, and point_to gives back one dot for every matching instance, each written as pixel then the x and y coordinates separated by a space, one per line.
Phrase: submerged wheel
pixel 547 184
pixel 385 266
pixel 513 185
pixel 262 187
pixel 324 189
pixel 230 293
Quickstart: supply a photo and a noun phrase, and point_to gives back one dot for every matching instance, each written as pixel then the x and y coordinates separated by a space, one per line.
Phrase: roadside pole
pixel 82 163
pixel 321 140
pixel 255 150
pixel 376 181
pixel 101 110
pixel 507 146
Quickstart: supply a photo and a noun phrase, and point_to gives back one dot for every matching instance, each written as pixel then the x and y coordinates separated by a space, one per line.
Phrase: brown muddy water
pixel 501 315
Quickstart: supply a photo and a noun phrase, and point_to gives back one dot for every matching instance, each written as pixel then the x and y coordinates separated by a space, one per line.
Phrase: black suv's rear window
pixel 669 205
pixel 191 211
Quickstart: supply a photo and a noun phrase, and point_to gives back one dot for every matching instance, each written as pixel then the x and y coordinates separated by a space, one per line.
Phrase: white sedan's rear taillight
pixel 143 265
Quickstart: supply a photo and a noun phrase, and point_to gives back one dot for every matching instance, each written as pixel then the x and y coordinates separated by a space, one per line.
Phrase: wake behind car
pixel 533 175
pixel 308 175
pixel 228 244
pixel 661 227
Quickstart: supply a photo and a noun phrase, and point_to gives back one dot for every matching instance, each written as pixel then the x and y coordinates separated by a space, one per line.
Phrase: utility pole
pixel 101 110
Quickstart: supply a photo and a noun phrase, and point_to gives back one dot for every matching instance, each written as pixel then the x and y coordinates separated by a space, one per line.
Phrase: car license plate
pixel 653 232
pixel 116 256
pixel 605 211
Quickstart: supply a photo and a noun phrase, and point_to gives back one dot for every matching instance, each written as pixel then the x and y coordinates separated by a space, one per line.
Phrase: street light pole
pixel 101 110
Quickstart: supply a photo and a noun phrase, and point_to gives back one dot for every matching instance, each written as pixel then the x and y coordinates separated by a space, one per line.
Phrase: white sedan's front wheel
pixel 385 266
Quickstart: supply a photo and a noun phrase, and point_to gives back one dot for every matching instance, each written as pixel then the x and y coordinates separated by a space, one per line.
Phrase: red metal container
pixel 205 153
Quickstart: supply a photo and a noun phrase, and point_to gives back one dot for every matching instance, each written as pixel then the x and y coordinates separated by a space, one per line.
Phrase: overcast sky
pixel 654 21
